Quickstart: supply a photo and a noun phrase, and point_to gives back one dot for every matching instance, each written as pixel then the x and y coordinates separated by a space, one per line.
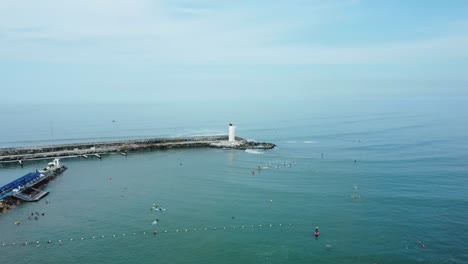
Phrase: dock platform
pixel 30 195
pixel 26 187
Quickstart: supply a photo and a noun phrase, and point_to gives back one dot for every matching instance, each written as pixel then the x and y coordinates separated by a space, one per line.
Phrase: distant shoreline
pixel 21 154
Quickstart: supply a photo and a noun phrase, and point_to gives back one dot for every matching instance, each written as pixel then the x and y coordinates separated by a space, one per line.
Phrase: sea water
pixel 380 178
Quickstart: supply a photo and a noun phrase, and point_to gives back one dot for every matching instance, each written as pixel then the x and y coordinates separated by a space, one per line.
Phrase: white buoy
pixel 232 133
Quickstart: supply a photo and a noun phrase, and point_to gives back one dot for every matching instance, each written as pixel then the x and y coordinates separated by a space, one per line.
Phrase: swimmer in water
pixel 317 232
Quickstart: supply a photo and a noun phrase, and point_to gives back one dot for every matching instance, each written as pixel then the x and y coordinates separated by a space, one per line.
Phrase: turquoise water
pixel 409 182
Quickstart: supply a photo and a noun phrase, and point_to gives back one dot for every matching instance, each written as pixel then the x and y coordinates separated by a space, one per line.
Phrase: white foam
pixel 310 142
pixel 254 151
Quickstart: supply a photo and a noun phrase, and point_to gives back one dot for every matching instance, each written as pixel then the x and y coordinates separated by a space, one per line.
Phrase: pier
pixel 125 146
pixel 24 188
pixel 28 179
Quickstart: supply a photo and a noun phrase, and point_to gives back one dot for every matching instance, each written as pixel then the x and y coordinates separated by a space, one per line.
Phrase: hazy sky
pixel 153 51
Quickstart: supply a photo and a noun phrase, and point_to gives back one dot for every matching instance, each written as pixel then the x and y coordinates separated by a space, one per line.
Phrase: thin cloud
pixel 162 32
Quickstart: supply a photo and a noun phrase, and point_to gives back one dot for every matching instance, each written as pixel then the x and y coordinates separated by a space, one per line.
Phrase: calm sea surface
pixel 409 183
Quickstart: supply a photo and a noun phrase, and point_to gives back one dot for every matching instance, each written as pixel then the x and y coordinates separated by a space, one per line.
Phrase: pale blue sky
pixel 153 51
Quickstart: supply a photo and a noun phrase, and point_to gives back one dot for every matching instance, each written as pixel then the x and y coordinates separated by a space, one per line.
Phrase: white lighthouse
pixel 232 133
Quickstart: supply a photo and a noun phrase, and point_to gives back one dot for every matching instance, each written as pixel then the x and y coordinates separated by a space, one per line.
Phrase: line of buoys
pixel 60 241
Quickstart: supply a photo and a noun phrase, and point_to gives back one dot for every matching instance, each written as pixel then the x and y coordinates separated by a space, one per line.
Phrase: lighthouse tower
pixel 232 133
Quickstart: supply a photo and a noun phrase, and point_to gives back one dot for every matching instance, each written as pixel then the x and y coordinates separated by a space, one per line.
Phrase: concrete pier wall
pixel 52 151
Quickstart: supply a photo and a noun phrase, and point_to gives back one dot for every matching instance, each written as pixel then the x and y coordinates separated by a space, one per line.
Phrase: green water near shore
pixel 410 176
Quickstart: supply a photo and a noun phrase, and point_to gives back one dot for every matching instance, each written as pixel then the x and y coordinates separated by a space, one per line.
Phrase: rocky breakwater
pixel 124 146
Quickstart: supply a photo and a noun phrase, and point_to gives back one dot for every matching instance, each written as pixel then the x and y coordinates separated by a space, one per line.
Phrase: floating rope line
pixel 144 233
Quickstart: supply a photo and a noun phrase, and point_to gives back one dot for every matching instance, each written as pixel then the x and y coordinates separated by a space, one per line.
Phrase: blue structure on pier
pixel 7 189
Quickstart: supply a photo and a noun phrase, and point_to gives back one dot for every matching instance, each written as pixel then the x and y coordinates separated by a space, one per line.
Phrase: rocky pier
pixel 124 146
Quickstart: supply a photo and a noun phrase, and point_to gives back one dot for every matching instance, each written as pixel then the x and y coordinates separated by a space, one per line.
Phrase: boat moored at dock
pixel 26 188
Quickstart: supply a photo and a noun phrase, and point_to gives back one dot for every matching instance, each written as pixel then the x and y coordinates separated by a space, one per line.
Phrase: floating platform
pixel 125 146
pixel 25 187
pixel 30 195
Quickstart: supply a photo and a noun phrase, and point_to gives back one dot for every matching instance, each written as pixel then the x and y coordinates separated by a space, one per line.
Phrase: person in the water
pixel 317 232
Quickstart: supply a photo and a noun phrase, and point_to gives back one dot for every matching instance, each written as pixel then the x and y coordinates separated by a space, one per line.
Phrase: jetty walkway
pixel 123 146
